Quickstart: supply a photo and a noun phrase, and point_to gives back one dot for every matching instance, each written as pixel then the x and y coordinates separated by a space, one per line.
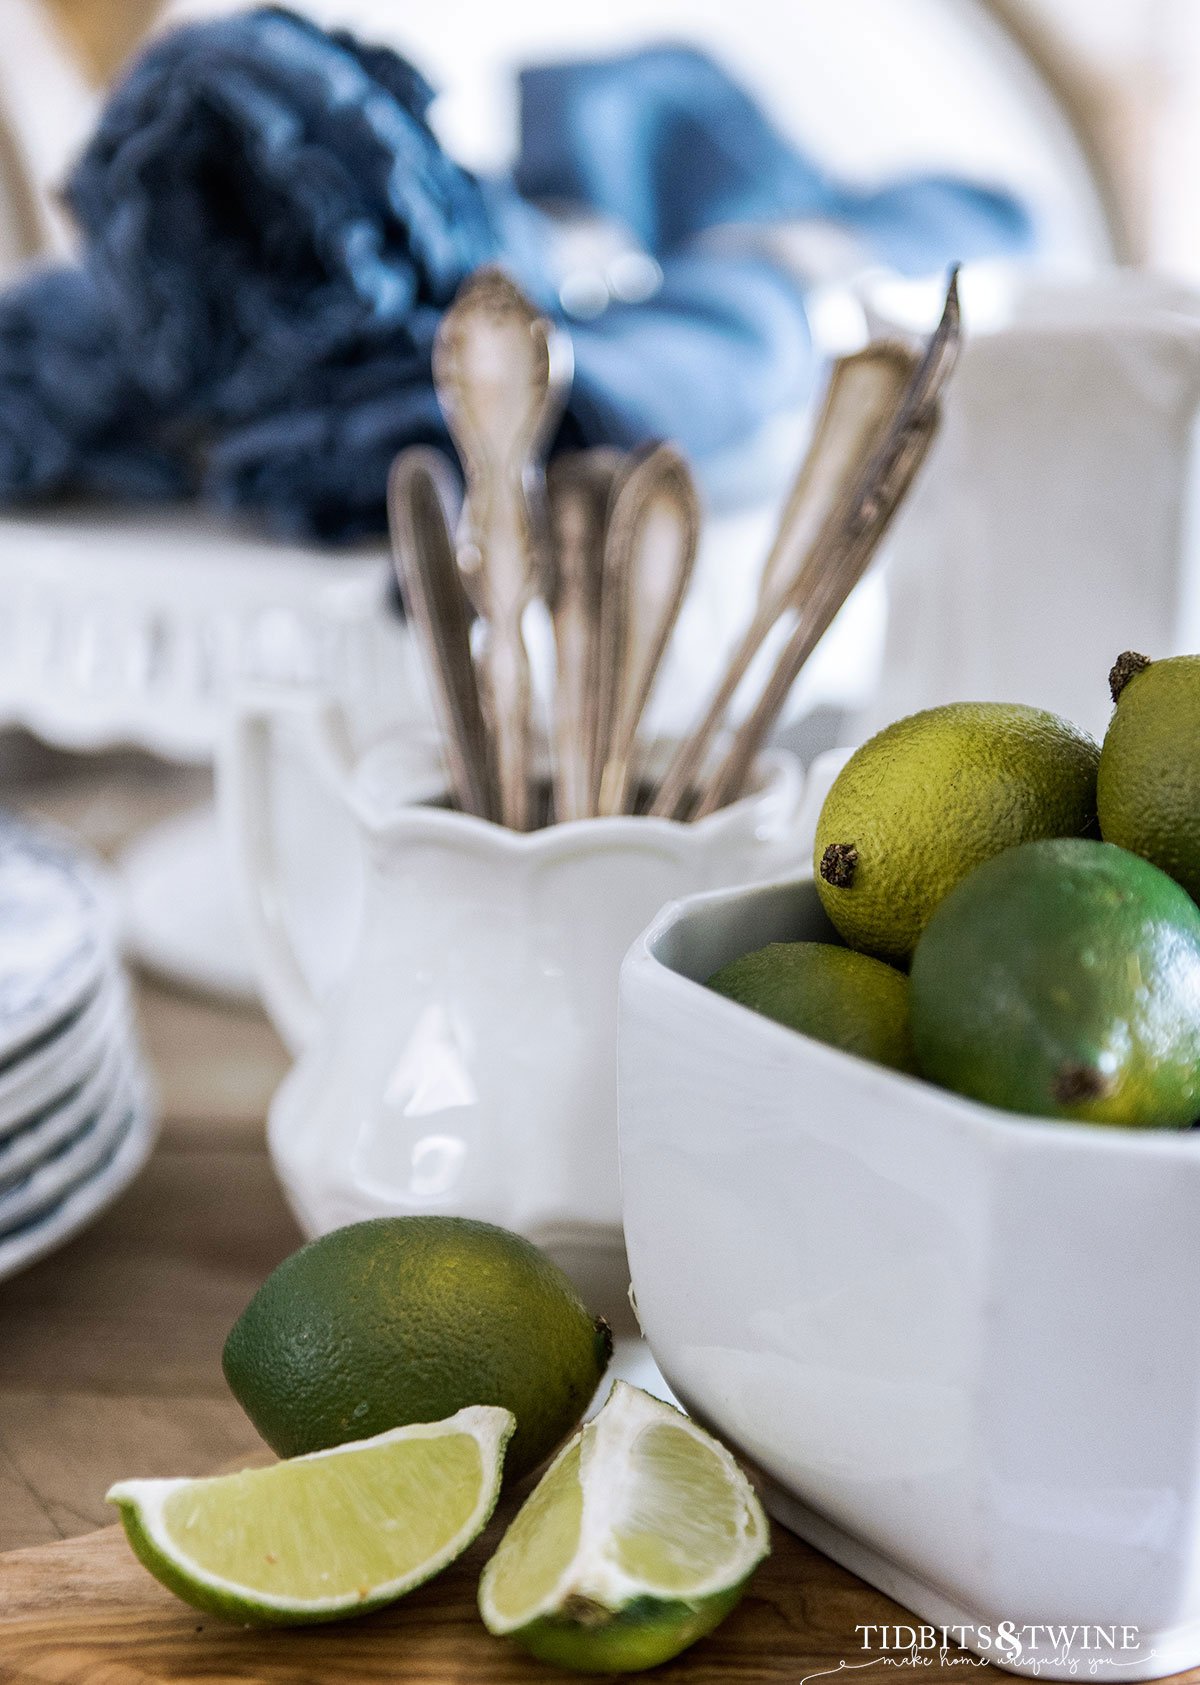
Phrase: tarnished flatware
pixel 860 402
pixel 848 542
pixel 579 487
pixel 423 509
pixel 649 554
pixel 501 370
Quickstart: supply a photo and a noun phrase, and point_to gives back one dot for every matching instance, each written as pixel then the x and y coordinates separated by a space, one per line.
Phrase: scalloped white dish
pixel 56 927
pixel 74 1162
pixel 40 1135
pixel 56 1066
pixel 122 627
pixel 54 1226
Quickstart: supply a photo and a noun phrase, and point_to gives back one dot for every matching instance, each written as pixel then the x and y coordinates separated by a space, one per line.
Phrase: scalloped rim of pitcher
pixel 775 771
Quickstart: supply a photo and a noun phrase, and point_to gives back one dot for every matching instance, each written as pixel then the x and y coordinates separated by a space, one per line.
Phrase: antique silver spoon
pixel 501 370
pixel 846 545
pixel 423 508
pixel 860 401
pixel 649 554
pixel 579 487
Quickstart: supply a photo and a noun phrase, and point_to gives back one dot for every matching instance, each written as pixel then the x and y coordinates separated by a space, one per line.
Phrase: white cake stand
pixel 120 629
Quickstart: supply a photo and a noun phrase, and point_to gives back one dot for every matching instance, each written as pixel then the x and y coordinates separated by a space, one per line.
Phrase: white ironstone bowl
pixel 962 1346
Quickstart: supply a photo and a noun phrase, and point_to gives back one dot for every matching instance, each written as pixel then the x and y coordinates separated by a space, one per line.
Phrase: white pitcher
pixel 465 1062
pixel 1058 520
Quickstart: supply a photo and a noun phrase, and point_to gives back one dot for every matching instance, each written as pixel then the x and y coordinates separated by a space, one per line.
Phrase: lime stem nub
pixel 1075 1083
pixel 1123 669
pixel 838 864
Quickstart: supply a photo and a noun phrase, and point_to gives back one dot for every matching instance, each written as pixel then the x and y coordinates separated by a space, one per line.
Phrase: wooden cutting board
pixel 84 1612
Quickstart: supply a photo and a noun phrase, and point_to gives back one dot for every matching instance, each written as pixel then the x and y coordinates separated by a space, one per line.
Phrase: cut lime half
pixel 639 1538
pixel 321 1537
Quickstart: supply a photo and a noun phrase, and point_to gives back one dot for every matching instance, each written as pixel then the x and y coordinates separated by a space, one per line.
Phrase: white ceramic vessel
pixel 962 1346
pixel 1070 443
pixel 466 1062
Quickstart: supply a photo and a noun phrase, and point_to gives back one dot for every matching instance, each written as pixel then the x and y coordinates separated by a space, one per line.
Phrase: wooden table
pixel 110 1366
pixel 110 1351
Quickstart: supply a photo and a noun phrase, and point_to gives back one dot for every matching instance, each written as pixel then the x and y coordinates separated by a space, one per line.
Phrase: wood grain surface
pixel 85 1612
pixel 110 1350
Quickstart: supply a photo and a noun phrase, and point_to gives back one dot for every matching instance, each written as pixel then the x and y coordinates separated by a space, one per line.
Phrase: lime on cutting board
pixel 638 1540
pixel 408 1319
pixel 321 1537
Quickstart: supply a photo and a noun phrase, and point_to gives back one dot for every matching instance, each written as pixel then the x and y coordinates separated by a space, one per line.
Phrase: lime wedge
pixel 320 1537
pixel 639 1538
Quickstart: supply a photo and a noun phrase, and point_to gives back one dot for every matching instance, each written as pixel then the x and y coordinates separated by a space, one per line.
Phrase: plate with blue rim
pixel 72 1210
pixel 76 1160
pixel 45 1130
pixel 55 1066
pixel 57 930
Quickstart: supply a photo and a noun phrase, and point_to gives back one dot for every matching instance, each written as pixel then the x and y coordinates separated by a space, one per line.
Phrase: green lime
pixel 639 1539
pixel 1149 784
pixel 833 994
pixel 325 1536
pixel 1063 979
pixel 935 794
pixel 408 1319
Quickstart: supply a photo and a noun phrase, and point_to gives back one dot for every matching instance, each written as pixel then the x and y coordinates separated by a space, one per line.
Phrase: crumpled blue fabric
pixel 70 415
pixel 270 232
pixel 665 141
pixel 260 198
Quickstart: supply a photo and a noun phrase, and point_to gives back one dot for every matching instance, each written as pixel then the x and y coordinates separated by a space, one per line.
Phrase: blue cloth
pixel 260 198
pixel 270 232
pixel 663 140
pixel 70 416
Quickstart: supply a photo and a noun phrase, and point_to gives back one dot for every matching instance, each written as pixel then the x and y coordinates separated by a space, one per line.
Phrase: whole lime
pixel 410 1319
pixel 835 995
pixel 1148 790
pixel 1063 979
pixel 932 796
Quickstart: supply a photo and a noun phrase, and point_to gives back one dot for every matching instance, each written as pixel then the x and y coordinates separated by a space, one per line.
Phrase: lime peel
pixel 660 1529
pixel 235 1504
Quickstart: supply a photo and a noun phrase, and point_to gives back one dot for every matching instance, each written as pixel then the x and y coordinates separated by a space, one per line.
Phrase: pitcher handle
pixel 244 801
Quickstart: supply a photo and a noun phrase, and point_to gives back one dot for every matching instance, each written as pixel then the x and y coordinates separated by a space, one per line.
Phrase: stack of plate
pixel 76 1121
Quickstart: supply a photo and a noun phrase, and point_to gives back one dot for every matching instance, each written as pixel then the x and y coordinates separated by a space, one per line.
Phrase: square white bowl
pixel 962 1346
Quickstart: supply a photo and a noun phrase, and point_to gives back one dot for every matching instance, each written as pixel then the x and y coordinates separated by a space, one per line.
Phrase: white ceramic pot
pixel 961 1345
pixel 1069 445
pixel 466 1061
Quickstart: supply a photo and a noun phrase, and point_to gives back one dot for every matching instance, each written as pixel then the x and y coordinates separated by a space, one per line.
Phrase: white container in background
pixel 1055 523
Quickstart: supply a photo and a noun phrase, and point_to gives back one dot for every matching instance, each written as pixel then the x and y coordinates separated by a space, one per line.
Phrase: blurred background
pixel 1010 87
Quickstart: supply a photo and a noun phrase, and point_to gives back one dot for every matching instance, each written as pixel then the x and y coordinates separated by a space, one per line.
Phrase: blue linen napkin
pixel 663 140
pixel 271 231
